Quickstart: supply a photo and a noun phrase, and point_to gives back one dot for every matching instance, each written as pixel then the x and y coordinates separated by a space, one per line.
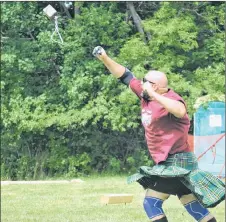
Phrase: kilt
pixel 207 188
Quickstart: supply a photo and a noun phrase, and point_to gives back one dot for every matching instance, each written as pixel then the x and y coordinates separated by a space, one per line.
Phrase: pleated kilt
pixel 207 188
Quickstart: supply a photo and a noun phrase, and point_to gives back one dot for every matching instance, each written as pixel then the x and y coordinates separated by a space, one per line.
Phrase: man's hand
pixel 147 87
pixel 116 69
pixel 99 52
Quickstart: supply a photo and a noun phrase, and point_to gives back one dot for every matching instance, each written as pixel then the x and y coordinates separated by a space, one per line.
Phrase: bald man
pixel 166 123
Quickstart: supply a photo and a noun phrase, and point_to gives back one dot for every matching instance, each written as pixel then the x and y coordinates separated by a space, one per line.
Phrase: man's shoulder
pixel 134 83
pixel 172 94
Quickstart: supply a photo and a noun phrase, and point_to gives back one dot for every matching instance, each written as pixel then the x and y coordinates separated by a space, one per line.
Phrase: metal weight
pixel 97 51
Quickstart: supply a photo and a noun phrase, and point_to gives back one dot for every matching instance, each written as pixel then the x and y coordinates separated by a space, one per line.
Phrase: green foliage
pixel 115 165
pixel 140 158
pixel 79 165
pixel 25 167
pixel 130 55
pixel 63 114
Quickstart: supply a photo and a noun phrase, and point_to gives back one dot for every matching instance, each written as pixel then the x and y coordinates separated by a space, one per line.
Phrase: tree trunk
pixel 136 17
pixel 137 21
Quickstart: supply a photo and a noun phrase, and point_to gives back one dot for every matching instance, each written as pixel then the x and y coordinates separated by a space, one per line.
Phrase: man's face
pixel 152 83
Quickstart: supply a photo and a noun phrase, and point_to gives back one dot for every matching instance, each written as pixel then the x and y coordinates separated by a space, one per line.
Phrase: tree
pixel 62 114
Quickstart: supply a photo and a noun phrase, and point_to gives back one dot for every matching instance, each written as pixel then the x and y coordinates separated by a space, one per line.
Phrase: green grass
pixel 81 203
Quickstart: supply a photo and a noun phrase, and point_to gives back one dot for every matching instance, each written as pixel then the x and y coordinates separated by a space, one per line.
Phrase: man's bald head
pixel 157 77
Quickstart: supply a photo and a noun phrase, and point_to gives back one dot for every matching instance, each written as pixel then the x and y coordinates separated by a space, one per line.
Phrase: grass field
pixel 73 202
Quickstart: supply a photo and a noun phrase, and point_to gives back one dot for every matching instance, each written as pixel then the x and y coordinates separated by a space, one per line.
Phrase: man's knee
pixel 153 205
pixel 194 208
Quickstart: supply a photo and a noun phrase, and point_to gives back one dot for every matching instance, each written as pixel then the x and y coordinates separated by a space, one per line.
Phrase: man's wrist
pixel 153 94
pixel 104 58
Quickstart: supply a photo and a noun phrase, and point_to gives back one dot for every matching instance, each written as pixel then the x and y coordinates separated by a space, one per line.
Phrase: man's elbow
pixel 181 112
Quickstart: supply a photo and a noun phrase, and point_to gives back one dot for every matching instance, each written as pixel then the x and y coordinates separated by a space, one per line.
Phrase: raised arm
pixel 116 69
pixel 120 72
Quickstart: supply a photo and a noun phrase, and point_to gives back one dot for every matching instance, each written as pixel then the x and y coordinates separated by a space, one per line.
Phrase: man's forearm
pixel 175 107
pixel 116 69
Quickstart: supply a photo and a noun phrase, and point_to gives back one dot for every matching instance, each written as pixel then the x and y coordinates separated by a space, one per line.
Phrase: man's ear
pixel 155 87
